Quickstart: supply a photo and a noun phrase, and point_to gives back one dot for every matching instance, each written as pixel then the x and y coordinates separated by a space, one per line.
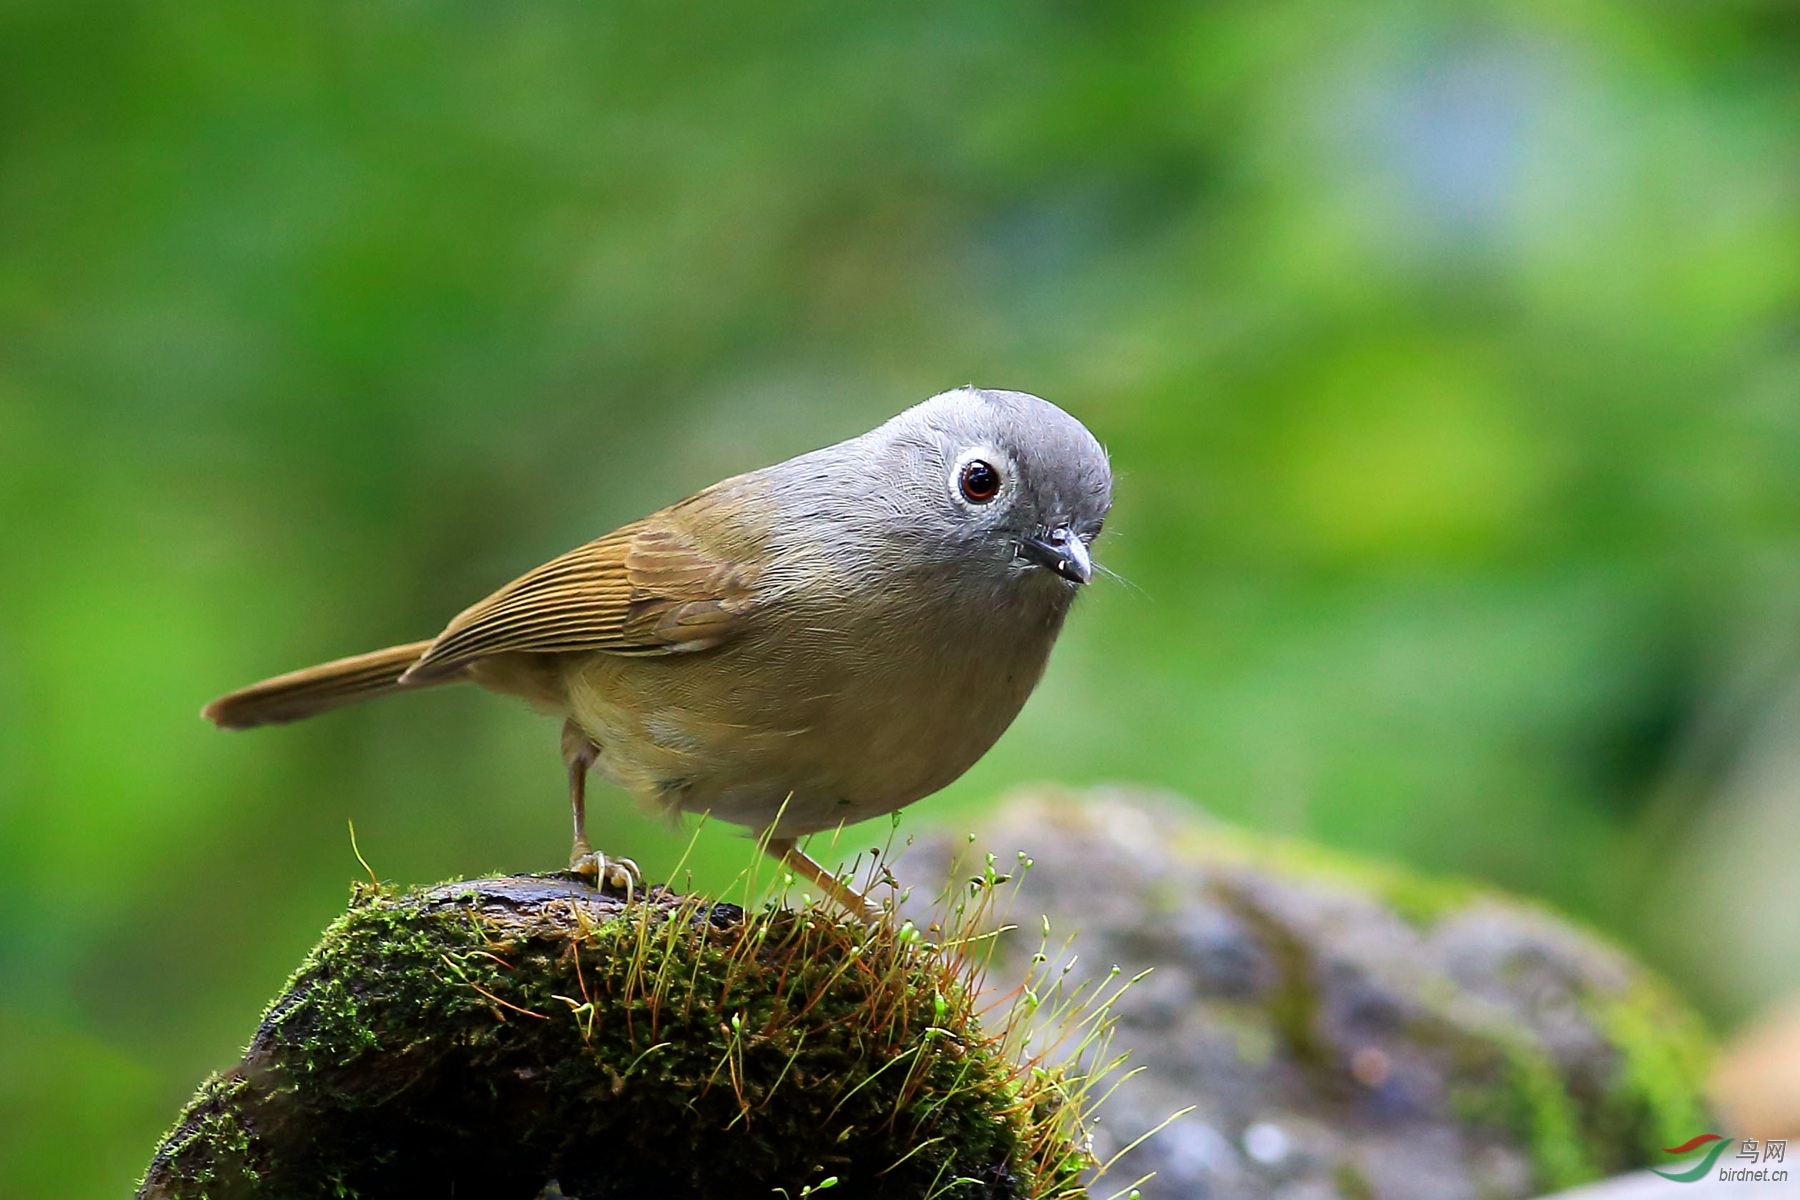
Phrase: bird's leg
pixel 787 852
pixel 579 752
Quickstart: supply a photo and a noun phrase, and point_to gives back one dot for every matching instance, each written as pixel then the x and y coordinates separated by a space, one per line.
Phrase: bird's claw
pixel 620 873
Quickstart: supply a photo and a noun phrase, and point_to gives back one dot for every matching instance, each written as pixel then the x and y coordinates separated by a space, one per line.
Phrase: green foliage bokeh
pixel 1444 352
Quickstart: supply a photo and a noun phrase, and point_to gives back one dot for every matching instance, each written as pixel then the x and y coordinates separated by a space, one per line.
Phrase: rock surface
pixel 1340 1029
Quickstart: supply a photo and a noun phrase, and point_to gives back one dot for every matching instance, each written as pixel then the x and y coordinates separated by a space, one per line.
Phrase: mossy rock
pixel 491 1037
pixel 1342 1027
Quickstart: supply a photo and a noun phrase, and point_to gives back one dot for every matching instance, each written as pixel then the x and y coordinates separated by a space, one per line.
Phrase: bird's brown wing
pixel 643 589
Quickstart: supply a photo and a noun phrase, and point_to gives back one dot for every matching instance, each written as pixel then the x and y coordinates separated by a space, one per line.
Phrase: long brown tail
pixel 317 689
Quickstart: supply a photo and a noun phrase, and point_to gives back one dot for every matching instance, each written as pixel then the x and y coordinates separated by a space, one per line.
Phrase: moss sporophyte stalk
pixel 495 1035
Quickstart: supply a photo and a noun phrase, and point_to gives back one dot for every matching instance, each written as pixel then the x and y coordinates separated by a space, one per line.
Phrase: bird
pixel 803 646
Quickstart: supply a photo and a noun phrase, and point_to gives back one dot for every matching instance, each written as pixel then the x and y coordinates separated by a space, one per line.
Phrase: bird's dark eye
pixel 980 482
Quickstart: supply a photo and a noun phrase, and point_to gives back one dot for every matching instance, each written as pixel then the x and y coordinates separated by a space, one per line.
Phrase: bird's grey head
pixel 1001 483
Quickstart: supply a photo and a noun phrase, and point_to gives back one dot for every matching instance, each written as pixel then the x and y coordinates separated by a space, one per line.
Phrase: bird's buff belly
pixel 797 755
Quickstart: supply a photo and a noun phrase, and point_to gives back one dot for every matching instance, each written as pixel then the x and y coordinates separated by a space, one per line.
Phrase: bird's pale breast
pixel 821 712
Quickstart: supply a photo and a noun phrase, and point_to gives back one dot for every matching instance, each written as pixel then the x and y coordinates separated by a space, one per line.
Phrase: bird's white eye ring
pixel 979 481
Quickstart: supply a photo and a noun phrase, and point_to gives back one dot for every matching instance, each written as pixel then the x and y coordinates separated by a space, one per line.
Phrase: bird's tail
pixel 316 689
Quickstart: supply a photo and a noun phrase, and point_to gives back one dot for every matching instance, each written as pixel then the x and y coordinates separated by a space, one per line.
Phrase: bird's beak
pixel 1060 551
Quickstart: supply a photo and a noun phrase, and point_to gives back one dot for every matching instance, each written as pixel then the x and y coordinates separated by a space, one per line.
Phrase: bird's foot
pixel 853 902
pixel 606 872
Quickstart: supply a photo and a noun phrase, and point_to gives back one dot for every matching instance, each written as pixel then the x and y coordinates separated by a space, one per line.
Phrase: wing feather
pixel 642 589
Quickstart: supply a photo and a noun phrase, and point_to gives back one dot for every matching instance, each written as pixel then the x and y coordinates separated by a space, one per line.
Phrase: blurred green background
pixel 1446 352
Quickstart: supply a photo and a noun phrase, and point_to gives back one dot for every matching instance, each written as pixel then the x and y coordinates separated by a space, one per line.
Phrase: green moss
pixel 1578 1129
pixel 210 1150
pixel 1664 1056
pixel 1502 1079
pixel 1351 1183
pixel 1651 1098
pixel 1546 1117
pixel 1291 1004
pixel 432 1036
